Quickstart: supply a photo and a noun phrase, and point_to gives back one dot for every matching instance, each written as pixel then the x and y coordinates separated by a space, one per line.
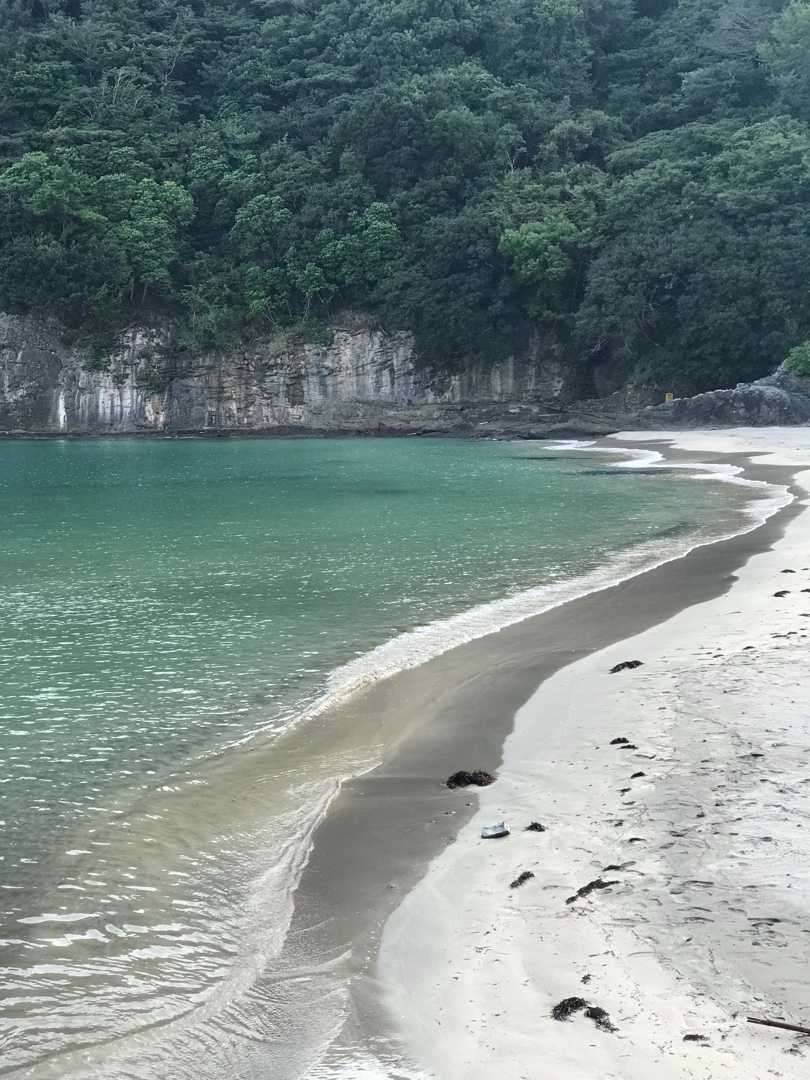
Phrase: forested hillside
pixel 632 176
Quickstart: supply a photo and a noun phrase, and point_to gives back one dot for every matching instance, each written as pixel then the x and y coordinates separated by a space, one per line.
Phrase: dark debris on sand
pixel 696 1038
pixel 600 1018
pixel 477 778
pixel 592 886
pixel 569 1007
pixel 782 592
pixel 619 741
pixel 521 879
pixel 566 1008
pixel 626 665
pixel 535 827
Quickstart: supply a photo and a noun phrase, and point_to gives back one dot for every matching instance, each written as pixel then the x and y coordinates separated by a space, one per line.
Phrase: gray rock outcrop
pixel 780 398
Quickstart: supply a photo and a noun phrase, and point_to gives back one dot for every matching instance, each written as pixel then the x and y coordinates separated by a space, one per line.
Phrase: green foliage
pixel 786 51
pixel 797 361
pixel 630 173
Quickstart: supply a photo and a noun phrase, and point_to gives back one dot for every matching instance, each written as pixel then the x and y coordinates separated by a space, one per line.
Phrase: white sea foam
pixel 416 647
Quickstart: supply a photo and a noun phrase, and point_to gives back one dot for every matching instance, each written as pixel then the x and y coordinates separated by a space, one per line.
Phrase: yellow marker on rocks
pixel 668 396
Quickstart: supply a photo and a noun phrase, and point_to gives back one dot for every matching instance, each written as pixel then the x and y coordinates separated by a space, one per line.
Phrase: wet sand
pixel 699 826
pixel 384 828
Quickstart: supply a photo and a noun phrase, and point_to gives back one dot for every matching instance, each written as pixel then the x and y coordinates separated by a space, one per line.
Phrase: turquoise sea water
pixel 162 602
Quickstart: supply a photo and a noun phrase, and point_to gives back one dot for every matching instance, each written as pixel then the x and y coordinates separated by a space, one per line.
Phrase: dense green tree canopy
pixel 633 175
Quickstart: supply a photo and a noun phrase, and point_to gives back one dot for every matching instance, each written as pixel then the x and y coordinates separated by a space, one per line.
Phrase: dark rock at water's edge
pixel 780 398
pixel 626 665
pixel 477 778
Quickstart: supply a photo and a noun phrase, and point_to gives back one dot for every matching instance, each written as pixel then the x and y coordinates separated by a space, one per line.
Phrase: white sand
pixel 709 922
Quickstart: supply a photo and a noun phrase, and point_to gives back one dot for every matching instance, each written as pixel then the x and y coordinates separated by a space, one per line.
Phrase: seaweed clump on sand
pixel 477 778
pixel 521 879
pixel 592 886
pixel 600 1017
pixel 566 1008
pixel 569 1007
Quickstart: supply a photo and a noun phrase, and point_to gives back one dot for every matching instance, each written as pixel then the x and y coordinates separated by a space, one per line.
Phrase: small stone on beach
pixel 478 778
pixel 535 827
pixel 626 665
pixel 637 775
pixel 618 742
pixel 782 592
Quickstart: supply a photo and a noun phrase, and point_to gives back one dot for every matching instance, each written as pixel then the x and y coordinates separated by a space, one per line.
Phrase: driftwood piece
pixel 779 1024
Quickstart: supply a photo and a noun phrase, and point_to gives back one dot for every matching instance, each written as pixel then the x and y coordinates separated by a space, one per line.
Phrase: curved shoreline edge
pixel 419 646
pixel 373 841
pixel 386 826
pixel 700 822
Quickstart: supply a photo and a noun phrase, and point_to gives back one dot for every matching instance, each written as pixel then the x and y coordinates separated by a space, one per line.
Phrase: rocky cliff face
pixel 362 380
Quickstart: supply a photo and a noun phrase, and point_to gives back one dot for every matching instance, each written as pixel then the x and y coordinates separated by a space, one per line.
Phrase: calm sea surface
pixel 163 603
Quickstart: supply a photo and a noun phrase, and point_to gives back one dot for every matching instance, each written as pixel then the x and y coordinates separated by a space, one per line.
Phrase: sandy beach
pixel 696 826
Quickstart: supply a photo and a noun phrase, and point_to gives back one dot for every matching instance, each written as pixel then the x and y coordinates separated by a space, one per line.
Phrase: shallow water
pixel 164 602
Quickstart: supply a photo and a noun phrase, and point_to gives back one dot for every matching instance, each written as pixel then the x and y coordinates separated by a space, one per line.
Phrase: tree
pixel 786 52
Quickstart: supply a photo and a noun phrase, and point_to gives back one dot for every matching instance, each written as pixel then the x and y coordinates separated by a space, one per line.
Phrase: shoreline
pixel 703 922
pixel 542 433
pixel 379 826
pixel 455 711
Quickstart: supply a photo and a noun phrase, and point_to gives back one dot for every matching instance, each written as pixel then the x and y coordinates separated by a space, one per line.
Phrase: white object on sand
pixel 489 832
